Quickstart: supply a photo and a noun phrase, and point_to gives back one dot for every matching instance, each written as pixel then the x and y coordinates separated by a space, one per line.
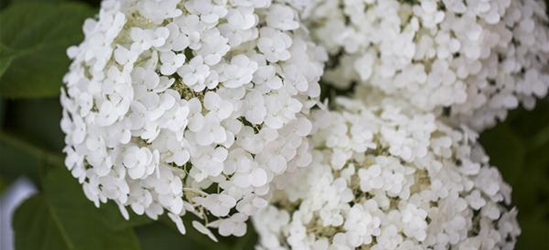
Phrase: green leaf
pixel 506 150
pixel 535 233
pixel 30 135
pixel 38 121
pixel 36 228
pixel 160 236
pixel 6 57
pixel 62 218
pixel 33 39
pixel 2 112
pixel 3 185
pixel 114 219
pixel 26 1
pixel 15 163
pixel 164 235
pixel 19 157
pixel 519 147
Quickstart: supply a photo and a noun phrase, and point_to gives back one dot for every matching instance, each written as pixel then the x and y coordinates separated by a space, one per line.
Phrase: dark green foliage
pixel 33 43
pixel 519 147
pixel 61 217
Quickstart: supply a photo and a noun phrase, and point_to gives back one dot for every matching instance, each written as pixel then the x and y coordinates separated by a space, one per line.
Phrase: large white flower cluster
pixel 383 178
pixel 467 59
pixel 190 106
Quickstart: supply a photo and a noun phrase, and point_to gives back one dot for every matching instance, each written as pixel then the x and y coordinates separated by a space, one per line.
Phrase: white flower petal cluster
pixel 190 106
pixel 470 60
pixel 385 178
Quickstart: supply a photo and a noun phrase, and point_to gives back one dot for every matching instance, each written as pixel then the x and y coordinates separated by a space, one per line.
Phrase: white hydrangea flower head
pixel 385 178
pixel 469 60
pixel 179 106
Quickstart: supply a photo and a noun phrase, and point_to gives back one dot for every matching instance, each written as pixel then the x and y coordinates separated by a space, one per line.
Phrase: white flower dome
pixel 471 61
pixel 382 178
pixel 190 106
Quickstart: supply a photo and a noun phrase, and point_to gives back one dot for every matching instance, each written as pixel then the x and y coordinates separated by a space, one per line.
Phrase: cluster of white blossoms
pixel 208 107
pixel 385 178
pixel 175 106
pixel 471 60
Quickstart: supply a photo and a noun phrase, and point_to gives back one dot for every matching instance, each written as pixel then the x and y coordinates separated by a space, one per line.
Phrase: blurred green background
pixel 33 37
